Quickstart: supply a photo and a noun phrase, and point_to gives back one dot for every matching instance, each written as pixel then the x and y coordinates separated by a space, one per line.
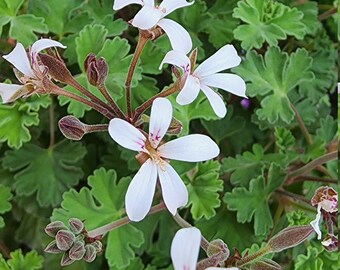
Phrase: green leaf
pixel 267 21
pixel 297 218
pixel 284 139
pixel 309 261
pixel 18 261
pixel 203 185
pixel 16 118
pixel 10 7
pixel 48 172
pixel 5 206
pixel 273 77
pixel 310 17
pixel 101 205
pixel 328 129
pixel 253 203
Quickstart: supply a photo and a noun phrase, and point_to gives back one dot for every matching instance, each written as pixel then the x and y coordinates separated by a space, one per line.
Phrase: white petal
pixel 189 91
pixel 171 5
pixel 179 37
pixel 119 4
pixel 177 59
pixel 174 191
pixel 192 148
pixel 18 58
pixel 215 101
pixel 43 44
pixel 229 82
pixel 149 2
pixel 224 58
pixel 127 135
pixel 7 91
pixel 185 248
pixel 138 198
pixel 160 118
pixel 315 223
pixel 147 17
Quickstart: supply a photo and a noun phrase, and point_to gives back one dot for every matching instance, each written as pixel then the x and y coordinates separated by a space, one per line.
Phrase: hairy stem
pixel 302 125
pixel 51 118
pixel 303 178
pixel 120 222
pixel 184 224
pixel 142 39
pixel 96 128
pixel 328 13
pixel 113 104
pixel 254 256
pixel 313 164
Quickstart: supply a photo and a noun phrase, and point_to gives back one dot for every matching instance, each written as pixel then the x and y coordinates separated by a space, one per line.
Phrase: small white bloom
pixel 152 15
pixel 192 148
pixel 185 248
pixel 206 76
pixel 28 66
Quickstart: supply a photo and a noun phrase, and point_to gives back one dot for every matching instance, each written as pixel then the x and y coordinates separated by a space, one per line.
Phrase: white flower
pixel 192 148
pixel 151 15
pixel 185 248
pixel 316 222
pixel 28 66
pixel 206 76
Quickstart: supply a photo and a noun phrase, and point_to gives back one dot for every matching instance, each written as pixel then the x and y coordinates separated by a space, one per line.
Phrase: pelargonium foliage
pixel 174 134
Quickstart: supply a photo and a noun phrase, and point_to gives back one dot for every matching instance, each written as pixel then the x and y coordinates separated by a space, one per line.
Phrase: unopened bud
pixel 289 237
pixel 193 57
pixel 218 248
pixel 72 128
pixel 175 127
pixel 56 68
pixel 77 251
pixel 96 70
pixel 64 239
pixel 52 248
pixel 76 225
pixel 90 253
pixel 66 260
pixel 98 245
pixel 265 264
pixel 52 228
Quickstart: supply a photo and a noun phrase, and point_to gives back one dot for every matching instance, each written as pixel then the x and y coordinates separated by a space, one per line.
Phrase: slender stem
pixel 61 92
pixel 96 128
pixel 302 178
pixel 148 103
pixel 302 125
pixel 314 163
pixel 253 257
pixel 328 13
pixel 113 104
pixel 184 224
pixel 4 250
pixel 139 48
pixel 292 195
pixel 120 222
pixel 51 116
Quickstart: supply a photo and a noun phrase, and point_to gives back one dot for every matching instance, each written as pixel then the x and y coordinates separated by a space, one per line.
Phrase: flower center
pixel 155 155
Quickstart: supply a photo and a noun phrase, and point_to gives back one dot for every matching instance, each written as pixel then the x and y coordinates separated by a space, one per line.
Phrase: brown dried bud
pixel 66 260
pixel 289 237
pixel 331 243
pixel 56 68
pixel 218 248
pixel 72 128
pixel 52 228
pixel 327 197
pixel 76 225
pixel 52 248
pixel 96 70
pixel 90 254
pixel 265 264
pixel 77 251
pixel 65 239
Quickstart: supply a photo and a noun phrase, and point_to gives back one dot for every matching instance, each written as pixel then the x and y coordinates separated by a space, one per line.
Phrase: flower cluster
pixel 71 240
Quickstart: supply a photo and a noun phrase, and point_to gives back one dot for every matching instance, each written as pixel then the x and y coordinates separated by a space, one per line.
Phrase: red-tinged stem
pixel 302 125
pixel 142 39
pixel 51 116
pixel 328 13
pixel 120 222
pixel 303 178
pixel 113 104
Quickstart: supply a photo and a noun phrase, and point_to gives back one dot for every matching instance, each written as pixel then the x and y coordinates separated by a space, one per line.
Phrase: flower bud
pixel 193 57
pixel 66 260
pixel 98 245
pixel 56 68
pixel 90 253
pixel 65 239
pixel 77 251
pixel 52 248
pixel 175 127
pixel 289 237
pixel 72 128
pixel 52 228
pixel 96 70
pixel 331 243
pixel 218 248
pixel 265 264
pixel 76 225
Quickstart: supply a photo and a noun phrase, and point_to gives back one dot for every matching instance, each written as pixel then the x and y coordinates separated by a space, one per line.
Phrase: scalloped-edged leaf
pixel 30 261
pixel 272 77
pixel 267 21
pixel 203 185
pixel 48 172
pixel 5 206
pixel 252 203
pixel 17 117
pixel 100 205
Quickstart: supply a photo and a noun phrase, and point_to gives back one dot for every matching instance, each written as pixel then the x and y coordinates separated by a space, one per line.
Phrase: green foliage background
pixel 289 59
